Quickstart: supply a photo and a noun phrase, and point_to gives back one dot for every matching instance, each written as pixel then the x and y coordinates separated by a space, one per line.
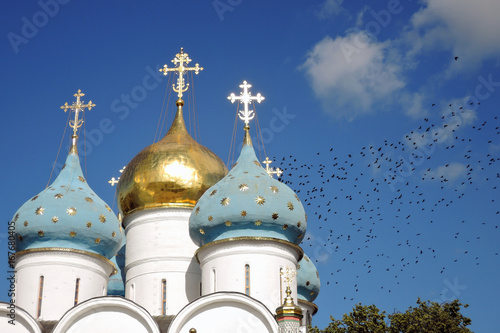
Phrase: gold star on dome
pixel 113 234
pixel 16 217
pixel 289 205
pixel 258 222
pixel 40 233
pixel 107 207
pixel 80 178
pixel 39 211
pixel 225 201
pixel 89 224
pixel 71 211
pixel 243 213
pixel 58 195
pixel 285 226
pixel 274 189
pixel 210 218
pixel 89 199
pixel 243 187
pixel 34 198
pixel 197 210
pixel 227 223
pixel 202 231
pixel 72 234
pixel 275 216
pixel 97 240
pixel 213 192
pixel 25 223
pixel 102 218
pixel 55 219
pixel 260 200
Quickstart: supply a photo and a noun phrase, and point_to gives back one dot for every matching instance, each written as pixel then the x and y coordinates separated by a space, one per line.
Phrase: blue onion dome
pixel 116 284
pixel 248 202
pixel 68 214
pixel 308 283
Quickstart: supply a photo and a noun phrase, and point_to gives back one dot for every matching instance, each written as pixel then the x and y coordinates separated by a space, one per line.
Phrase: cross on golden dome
pixel 179 60
pixel 288 275
pixel 114 180
pixel 269 170
pixel 246 98
pixel 78 107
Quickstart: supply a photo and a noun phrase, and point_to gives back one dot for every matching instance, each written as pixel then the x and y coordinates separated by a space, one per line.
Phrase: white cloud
pixel 351 74
pixel 468 29
pixel 447 173
pixel 453 119
pixel 330 8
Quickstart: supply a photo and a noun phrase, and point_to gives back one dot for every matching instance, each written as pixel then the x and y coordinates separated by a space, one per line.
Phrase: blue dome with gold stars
pixel 68 214
pixel 247 202
pixel 308 283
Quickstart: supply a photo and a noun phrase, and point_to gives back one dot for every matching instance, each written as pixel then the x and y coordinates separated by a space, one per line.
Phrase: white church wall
pixel 111 314
pixel 13 319
pixel 159 249
pixel 47 280
pixel 224 313
pixel 223 268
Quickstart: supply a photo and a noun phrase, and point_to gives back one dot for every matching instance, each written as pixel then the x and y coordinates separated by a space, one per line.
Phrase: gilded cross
pixel 269 170
pixel 288 275
pixel 114 180
pixel 246 98
pixel 179 61
pixel 78 107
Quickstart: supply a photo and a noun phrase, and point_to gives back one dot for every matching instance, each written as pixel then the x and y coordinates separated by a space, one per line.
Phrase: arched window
pixel 214 280
pixel 40 296
pixel 247 279
pixel 77 290
pixel 132 292
pixel 163 297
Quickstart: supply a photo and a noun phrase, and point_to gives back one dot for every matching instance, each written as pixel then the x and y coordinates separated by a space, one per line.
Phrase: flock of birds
pixel 390 208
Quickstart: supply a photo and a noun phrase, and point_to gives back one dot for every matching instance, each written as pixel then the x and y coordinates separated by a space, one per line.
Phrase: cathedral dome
pixel 248 203
pixel 173 172
pixel 308 283
pixel 68 214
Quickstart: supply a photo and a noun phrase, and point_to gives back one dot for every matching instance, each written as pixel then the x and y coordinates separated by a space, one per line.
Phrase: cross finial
pixel 179 61
pixel 246 98
pixel 269 170
pixel 114 180
pixel 78 107
pixel 288 275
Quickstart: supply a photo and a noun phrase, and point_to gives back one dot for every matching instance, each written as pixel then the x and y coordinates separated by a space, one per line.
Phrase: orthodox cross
pixel 269 170
pixel 288 275
pixel 114 180
pixel 246 98
pixel 179 60
pixel 78 107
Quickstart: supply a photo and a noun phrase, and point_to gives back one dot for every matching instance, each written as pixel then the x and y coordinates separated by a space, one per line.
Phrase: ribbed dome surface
pixel 173 172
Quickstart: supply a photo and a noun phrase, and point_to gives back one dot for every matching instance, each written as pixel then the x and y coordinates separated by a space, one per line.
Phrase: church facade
pixel 197 248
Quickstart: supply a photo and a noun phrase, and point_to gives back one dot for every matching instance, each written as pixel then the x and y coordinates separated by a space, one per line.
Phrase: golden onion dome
pixel 173 172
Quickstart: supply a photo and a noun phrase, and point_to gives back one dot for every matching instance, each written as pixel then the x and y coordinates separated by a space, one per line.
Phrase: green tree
pixel 431 317
pixel 427 317
pixel 362 319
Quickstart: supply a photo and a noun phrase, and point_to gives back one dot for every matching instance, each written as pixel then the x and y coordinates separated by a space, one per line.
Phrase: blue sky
pixel 383 115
